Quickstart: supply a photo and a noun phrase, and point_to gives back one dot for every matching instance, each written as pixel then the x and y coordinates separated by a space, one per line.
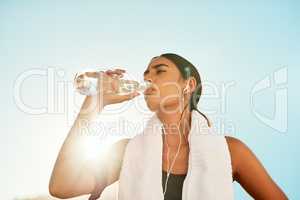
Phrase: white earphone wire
pixel 173 162
pixel 177 153
pixel 174 159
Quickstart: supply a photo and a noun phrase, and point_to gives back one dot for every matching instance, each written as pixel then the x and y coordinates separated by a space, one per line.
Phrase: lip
pixel 149 91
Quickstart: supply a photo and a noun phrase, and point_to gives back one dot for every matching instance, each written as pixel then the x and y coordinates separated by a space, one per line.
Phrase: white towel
pixel 209 175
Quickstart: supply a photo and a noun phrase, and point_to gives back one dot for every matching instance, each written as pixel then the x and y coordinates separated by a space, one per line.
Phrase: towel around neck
pixel 209 173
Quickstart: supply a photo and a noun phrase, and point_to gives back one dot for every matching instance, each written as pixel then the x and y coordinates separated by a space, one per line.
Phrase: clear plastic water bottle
pixel 87 85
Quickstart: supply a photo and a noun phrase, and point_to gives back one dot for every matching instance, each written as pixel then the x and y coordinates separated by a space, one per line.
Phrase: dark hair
pixel 187 70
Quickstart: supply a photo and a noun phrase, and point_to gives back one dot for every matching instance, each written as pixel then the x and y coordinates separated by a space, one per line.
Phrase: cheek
pixel 170 90
pixel 170 94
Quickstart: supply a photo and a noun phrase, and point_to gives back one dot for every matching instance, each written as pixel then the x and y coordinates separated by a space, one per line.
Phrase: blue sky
pixel 230 42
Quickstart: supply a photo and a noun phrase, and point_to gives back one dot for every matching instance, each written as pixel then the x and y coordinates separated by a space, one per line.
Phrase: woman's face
pixel 167 84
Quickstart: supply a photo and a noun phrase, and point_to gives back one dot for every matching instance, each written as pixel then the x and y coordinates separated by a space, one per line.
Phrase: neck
pixel 173 126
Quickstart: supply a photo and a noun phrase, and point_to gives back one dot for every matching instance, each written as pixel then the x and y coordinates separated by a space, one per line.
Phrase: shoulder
pixel 126 142
pixel 131 146
pixel 120 145
pixel 236 146
pixel 239 151
pixel 242 157
pixel 134 141
pixel 249 171
pixel 234 143
pixel 122 142
pixel 117 149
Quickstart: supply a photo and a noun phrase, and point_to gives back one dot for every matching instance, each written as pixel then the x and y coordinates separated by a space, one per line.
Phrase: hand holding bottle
pixel 112 87
pixel 107 86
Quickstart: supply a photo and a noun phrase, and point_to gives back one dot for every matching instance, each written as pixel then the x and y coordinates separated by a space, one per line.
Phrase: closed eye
pixel 160 71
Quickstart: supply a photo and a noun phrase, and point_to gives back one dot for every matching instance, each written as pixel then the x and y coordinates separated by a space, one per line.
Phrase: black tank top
pixel 174 188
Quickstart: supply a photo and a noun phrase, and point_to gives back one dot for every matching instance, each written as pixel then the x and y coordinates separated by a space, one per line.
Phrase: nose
pixel 148 79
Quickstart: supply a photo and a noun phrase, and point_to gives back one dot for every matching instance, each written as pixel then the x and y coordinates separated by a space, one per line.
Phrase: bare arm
pixel 73 175
pixel 110 169
pixel 250 173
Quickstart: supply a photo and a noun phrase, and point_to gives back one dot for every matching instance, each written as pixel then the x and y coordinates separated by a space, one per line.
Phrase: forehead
pixel 160 60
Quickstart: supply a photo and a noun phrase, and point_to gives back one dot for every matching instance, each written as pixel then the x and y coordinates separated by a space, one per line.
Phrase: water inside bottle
pixel 87 85
pixel 129 86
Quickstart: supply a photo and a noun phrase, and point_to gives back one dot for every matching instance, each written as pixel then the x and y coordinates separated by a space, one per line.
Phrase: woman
pixel 174 96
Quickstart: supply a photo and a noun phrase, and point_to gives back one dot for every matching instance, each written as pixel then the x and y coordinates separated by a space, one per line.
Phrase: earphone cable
pixel 177 153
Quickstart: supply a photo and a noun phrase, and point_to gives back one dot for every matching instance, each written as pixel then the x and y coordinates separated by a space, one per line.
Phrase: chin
pixel 170 105
pixel 153 103
pixel 167 107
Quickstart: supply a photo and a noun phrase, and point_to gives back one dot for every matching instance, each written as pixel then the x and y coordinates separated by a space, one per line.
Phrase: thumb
pixel 129 96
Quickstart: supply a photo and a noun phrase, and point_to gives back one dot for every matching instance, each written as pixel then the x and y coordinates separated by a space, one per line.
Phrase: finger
pixel 92 74
pixel 128 96
pixel 110 72
pixel 115 74
pixel 120 70
pixel 115 85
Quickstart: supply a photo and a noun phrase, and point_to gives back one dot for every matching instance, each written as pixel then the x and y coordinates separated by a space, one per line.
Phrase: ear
pixel 192 83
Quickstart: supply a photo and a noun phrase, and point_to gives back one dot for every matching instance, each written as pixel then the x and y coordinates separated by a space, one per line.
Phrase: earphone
pixel 186 89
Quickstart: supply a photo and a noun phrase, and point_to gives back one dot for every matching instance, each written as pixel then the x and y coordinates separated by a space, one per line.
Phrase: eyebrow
pixel 155 67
